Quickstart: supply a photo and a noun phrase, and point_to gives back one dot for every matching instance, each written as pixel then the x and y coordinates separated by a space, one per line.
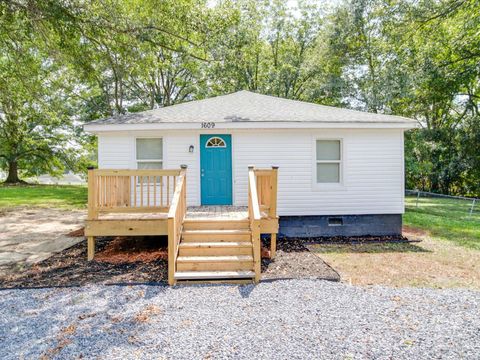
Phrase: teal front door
pixel 216 169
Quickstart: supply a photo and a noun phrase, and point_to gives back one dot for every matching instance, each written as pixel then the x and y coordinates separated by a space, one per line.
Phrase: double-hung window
pixel 329 161
pixel 149 153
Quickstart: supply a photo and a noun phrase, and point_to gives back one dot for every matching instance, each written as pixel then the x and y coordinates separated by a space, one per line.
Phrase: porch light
pixel 190 149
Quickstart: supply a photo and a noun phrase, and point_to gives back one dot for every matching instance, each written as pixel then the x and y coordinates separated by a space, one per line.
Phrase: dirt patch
pixel 295 261
pixel 31 235
pixel 38 224
pixel 412 232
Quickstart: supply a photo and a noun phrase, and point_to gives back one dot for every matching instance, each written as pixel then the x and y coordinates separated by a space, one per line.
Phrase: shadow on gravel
pixel 245 290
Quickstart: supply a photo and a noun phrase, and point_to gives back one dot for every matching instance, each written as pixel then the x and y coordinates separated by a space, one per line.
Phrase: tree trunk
pixel 12 177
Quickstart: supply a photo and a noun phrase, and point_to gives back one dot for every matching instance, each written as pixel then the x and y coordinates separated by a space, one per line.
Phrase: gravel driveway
pixel 294 319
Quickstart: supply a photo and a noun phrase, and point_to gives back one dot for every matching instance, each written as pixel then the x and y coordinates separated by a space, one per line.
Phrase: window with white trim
pixel 149 153
pixel 329 161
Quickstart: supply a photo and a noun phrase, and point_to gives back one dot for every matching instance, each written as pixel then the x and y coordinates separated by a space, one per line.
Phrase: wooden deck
pixel 205 243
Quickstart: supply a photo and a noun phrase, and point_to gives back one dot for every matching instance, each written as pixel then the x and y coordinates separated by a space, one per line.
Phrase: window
pixel 215 142
pixel 329 159
pixel 149 153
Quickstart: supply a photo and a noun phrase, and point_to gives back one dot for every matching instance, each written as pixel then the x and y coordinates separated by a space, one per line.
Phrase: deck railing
pixel 176 216
pixel 267 190
pixel 138 191
pixel 129 191
pixel 262 203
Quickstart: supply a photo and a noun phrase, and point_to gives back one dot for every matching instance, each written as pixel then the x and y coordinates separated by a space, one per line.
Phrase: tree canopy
pixel 63 63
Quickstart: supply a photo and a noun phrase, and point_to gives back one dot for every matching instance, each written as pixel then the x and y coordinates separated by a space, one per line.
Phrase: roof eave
pixel 99 128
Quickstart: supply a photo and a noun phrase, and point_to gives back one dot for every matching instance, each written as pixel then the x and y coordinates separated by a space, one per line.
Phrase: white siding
pixel 372 171
pixel 115 151
pixel 176 153
pixel 372 166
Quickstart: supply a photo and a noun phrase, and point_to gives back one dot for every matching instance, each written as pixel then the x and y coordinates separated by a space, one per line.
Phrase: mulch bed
pixel 124 250
pixel 355 239
pixel 294 261
pixel 143 263
pixel 144 260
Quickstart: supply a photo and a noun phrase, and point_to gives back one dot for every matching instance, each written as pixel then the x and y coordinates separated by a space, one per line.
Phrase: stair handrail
pixel 267 180
pixel 255 218
pixel 176 216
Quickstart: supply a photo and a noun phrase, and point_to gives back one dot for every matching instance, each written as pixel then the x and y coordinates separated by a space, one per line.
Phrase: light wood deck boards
pixel 227 212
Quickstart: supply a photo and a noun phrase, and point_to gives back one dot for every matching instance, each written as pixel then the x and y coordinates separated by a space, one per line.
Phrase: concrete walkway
pixel 28 236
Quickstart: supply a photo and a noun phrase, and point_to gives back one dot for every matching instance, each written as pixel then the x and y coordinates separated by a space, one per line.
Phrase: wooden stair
pixel 215 250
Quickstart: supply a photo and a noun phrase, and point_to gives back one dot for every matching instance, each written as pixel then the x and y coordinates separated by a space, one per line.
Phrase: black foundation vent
pixel 335 221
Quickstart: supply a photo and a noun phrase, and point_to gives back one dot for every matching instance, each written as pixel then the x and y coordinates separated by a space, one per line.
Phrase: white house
pixel 340 172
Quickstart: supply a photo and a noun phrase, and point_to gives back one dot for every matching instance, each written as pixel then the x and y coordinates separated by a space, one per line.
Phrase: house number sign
pixel 208 125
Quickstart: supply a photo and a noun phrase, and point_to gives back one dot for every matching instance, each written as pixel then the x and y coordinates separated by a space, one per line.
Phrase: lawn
pixel 446 219
pixel 448 254
pixel 55 196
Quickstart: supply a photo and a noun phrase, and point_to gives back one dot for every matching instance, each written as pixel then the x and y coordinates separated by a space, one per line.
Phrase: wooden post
pixel 171 251
pixel 90 248
pixel 184 173
pixel 174 223
pixel 273 192
pixel 92 195
pixel 255 218
pixel 273 245
pixel 257 254
pixel 92 211
pixel 273 209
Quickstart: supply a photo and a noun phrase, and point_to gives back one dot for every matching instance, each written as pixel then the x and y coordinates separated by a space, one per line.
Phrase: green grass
pixel 446 219
pixel 58 196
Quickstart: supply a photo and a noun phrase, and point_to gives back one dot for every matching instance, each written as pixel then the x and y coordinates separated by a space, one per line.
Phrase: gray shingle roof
pixel 246 106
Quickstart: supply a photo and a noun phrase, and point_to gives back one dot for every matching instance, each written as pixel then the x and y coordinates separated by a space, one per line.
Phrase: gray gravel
pixel 294 319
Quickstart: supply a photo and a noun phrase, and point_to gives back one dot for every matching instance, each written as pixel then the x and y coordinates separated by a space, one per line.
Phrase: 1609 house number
pixel 208 125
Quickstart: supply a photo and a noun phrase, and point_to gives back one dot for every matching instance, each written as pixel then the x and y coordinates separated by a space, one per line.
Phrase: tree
pixel 62 62
pixel 35 127
pixel 291 48
pixel 418 60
